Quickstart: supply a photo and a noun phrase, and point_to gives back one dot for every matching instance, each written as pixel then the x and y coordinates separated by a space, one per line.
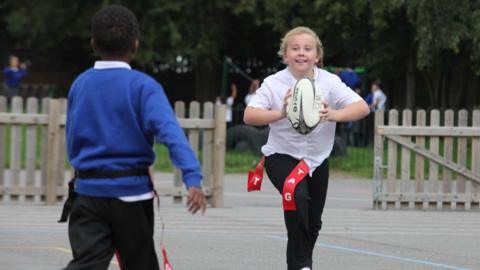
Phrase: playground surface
pixel 248 233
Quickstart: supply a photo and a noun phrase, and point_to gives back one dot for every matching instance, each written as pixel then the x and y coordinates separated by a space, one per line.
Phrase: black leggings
pixel 304 223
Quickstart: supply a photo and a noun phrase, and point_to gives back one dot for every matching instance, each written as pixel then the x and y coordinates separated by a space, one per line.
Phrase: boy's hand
pixel 196 200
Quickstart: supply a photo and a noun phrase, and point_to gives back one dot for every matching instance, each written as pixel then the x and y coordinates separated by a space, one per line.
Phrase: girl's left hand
pixel 328 114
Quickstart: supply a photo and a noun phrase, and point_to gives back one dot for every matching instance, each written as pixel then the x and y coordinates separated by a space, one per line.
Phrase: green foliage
pixel 381 35
pixel 439 25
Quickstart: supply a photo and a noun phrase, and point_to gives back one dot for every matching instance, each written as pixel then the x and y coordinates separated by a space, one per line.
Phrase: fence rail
pixel 434 165
pixel 32 140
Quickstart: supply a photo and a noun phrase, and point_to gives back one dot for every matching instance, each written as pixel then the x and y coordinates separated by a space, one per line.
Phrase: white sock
pixel 306 268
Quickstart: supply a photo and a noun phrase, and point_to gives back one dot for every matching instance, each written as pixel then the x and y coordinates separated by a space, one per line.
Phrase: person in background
pixel 229 102
pixel 379 98
pixel 352 80
pixel 13 74
pixel 251 90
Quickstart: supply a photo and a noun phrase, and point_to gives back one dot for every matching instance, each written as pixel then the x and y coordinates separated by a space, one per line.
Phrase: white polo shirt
pixel 315 146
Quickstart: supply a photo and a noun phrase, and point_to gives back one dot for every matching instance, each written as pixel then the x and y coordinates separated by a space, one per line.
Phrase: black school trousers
pixel 304 223
pixel 99 227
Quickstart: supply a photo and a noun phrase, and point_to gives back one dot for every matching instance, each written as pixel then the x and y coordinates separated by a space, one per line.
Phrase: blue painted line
pixel 370 253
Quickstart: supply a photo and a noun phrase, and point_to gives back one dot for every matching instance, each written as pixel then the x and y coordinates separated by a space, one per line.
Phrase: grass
pixel 358 162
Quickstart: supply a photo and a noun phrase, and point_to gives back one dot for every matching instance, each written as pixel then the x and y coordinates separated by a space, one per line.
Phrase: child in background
pixel 251 91
pixel 114 115
pixel 379 99
pixel 302 51
pixel 14 73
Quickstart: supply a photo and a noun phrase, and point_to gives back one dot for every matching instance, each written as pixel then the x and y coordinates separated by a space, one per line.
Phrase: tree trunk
pixel 410 82
pixel 410 71
pixel 207 81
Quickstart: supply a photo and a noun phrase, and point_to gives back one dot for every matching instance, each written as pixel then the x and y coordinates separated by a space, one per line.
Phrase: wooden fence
pixel 427 161
pixel 33 156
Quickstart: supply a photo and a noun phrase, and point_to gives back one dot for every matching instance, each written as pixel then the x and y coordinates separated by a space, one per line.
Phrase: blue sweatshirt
pixel 13 76
pixel 114 116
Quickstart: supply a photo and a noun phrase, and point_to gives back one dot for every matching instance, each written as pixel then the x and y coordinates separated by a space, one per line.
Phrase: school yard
pixel 248 233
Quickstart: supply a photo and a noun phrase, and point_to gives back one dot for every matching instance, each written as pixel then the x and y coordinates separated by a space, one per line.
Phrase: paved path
pixel 248 233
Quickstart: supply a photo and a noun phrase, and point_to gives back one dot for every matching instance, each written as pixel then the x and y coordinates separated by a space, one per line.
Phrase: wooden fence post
pixel 177 176
pixel 420 160
pixel 207 147
pixel 476 161
pixel 378 159
pixel 53 151
pixel 15 149
pixel 31 162
pixel 3 108
pixel 219 155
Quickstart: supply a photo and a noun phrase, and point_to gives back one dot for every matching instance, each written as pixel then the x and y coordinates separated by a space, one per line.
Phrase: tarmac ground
pixel 248 233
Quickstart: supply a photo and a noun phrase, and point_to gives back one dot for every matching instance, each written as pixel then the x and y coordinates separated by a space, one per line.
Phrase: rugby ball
pixel 304 105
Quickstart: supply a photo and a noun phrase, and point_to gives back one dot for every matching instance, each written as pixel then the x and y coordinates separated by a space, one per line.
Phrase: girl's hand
pixel 285 102
pixel 328 114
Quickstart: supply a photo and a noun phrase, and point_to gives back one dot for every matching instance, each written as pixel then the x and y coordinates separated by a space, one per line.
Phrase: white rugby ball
pixel 303 109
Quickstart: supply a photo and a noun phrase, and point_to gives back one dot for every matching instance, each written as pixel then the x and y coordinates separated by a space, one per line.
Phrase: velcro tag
pixel 255 178
pixel 296 176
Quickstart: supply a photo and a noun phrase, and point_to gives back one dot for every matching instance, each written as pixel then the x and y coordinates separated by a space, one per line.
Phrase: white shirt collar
pixel 315 73
pixel 111 64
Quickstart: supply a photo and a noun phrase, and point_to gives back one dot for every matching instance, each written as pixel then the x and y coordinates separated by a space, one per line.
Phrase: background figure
pixel 251 90
pixel 13 74
pixel 351 129
pixel 350 78
pixel 229 102
pixel 379 98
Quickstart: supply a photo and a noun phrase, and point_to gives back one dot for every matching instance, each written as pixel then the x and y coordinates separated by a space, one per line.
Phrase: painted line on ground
pixel 61 249
pixel 376 254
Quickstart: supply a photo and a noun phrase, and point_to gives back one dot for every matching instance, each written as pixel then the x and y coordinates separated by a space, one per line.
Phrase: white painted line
pixel 376 254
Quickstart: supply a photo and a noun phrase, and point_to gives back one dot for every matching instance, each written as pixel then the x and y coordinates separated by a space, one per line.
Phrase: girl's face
pixel 301 55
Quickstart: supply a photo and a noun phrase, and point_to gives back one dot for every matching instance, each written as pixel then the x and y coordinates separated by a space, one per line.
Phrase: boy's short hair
pixel 114 31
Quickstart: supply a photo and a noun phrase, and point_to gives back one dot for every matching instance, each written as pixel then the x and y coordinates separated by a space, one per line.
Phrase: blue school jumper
pixel 114 116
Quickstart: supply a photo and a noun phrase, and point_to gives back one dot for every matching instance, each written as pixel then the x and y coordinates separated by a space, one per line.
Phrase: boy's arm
pixel 160 119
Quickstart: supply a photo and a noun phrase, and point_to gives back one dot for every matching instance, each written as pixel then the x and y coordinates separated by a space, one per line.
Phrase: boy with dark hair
pixel 114 114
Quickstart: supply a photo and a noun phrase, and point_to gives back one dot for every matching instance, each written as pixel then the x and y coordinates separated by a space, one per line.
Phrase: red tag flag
pixel 255 177
pixel 296 175
pixel 166 264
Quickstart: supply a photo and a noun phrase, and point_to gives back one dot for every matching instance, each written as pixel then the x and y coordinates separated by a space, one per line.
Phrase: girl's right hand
pixel 286 99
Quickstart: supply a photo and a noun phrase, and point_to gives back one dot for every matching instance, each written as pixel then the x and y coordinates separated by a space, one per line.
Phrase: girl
pixel 301 50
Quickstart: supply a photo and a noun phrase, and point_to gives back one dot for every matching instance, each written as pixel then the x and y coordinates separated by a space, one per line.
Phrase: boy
pixel 114 114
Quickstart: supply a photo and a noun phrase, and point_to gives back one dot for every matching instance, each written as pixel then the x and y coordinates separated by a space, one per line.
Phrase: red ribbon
pixel 296 176
pixel 255 178
pixel 288 196
pixel 166 264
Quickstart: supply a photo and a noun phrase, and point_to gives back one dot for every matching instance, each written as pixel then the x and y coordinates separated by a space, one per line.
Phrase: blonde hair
pixel 302 30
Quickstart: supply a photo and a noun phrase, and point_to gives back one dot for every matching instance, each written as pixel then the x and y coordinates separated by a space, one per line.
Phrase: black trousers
pixel 98 227
pixel 304 223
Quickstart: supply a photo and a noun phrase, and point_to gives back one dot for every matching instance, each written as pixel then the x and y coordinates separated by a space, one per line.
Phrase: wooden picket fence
pixel 34 137
pixel 432 164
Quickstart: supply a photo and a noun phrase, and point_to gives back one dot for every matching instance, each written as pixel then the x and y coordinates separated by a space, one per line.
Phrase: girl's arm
pixel 352 112
pixel 261 117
